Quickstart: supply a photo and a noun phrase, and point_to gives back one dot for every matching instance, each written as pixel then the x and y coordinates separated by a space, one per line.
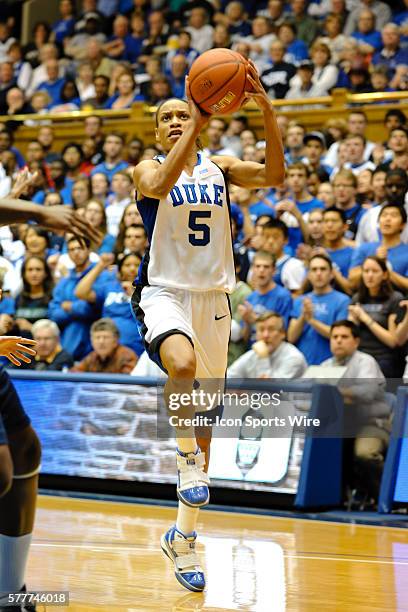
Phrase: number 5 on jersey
pixel 199 228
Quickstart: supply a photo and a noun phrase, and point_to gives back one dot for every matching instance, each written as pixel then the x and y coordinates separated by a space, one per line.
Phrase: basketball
pixel 218 79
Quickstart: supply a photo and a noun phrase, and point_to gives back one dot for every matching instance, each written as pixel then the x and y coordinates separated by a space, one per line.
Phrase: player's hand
pixel 66 219
pixel 255 88
pixel 198 116
pixel 14 347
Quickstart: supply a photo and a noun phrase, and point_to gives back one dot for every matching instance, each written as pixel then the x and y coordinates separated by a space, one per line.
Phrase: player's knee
pixel 182 368
pixel 6 471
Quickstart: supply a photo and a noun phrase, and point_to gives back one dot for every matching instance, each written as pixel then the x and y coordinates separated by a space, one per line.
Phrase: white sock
pixel 186 445
pixel 186 518
pixel 13 561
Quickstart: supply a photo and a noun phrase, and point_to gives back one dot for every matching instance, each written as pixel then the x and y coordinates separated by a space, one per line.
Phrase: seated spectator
pixel 276 78
pixel 345 193
pixel 234 20
pixel 336 247
pixel 177 75
pixel 270 356
pixel 32 303
pixel 274 12
pixel 77 46
pixel 40 36
pixel 313 313
pixel 296 50
pixel 39 75
pixel 368 37
pixel 305 87
pixel 53 83
pixel 22 70
pixel 99 186
pixel 314 149
pixel 156 40
pixel 367 414
pixel 201 31
pixel 392 55
pixel 392 219
pixel 380 80
pixel 259 41
pixel 307 28
pixel 365 194
pixel 74 316
pixel 36 241
pixel 131 216
pixel 7 82
pixel 216 128
pixel 159 90
pixel 94 53
pixel 356 125
pixel 221 37
pixel 291 210
pixel 294 143
pixel 16 105
pixel 121 188
pixel 84 81
pixel 115 47
pixel 398 146
pixel 267 295
pixel 334 37
pixel 94 212
pixel 69 98
pixel 113 297
pixel 184 48
pixel 93 129
pixel 64 27
pixel 374 309
pixel 50 354
pixel 134 151
pixel 89 155
pixel 395 188
pixel 289 271
pixel 134 240
pixel 6 40
pixel 126 94
pixel 101 85
pixel 45 137
pixel 134 40
pixel 381 11
pixel 108 356
pixel 114 162
pixel 81 192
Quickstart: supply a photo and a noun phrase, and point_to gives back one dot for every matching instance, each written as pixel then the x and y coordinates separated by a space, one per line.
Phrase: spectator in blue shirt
pixel 392 55
pixel 72 157
pixel 126 94
pixel 53 84
pixel 392 220
pixel 177 76
pixel 267 296
pixel 336 247
pixel 296 50
pixel 313 313
pixel 113 297
pixel 113 150
pixel 64 26
pixel 74 316
pixel 369 38
pixel 184 48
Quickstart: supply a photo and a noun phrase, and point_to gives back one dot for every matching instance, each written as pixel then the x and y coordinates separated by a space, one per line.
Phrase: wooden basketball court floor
pixel 107 555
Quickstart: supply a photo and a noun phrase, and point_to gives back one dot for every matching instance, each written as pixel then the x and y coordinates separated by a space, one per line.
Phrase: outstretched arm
pixel 251 174
pixel 14 347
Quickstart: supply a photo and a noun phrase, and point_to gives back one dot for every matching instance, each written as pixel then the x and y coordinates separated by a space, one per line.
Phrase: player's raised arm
pixel 17 349
pixel 178 126
pixel 251 174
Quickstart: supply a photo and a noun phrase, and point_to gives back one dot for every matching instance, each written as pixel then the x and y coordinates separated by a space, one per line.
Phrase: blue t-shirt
pixel 277 299
pixel 115 304
pixel 7 306
pixel 372 38
pixel 342 258
pixel 295 234
pixel 105 169
pixel 327 308
pixel 397 256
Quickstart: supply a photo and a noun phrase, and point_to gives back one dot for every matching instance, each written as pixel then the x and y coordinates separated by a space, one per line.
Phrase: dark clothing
pixel 276 79
pixel 32 309
pixel 379 309
pixel 12 415
pixel 62 360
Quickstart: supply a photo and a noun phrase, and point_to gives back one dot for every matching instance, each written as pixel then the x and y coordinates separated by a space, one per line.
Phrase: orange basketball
pixel 218 80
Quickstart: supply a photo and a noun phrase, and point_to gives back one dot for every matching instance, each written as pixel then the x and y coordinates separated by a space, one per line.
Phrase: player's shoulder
pixel 145 165
pixel 223 161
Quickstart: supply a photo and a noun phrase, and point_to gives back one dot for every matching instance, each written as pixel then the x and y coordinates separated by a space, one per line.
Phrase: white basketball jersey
pixel 190 233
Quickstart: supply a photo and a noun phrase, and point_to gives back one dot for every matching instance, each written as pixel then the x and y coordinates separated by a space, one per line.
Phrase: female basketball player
pixel 20 449
pixel 180 300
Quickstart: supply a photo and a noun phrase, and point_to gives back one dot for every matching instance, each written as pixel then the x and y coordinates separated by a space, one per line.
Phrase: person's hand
pixel 304 251
pixel 128 287
pixel 254 88
pixel 23 182
pixel 378 153
pixel 67 306
pixel 404 303
pixel 382 252
pixel 199 117
pixel 307 309
pixel 66 219
pixel 106 260
pixel 288 206
pixel 247 313
pixel 359 314
pixel 257 242
pixel 6 323
pixel 14 347
pixel 319 250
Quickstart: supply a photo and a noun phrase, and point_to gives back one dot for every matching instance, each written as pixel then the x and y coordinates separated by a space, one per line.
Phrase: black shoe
pixel 20 607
